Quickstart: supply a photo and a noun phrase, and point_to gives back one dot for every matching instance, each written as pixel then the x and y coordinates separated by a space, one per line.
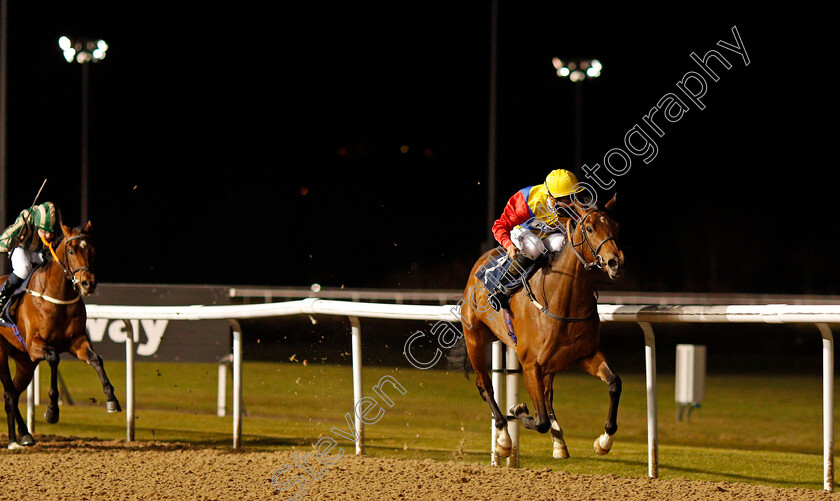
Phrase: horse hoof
pixel 14 446
pixel 561 452
pixel 519 409
pixel 113 406
pixel 503 451
pixel 27 440
pixel 51 415
pixel 603 444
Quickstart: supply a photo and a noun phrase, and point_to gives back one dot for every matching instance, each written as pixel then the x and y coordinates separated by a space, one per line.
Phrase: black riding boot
pixel 9 286
pixel 500 297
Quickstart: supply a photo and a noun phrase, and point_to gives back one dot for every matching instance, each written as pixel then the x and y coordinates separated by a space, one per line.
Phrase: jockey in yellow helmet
pixel 532 224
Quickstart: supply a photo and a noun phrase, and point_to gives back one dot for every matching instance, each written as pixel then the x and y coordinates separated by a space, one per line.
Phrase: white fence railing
pixel 643 315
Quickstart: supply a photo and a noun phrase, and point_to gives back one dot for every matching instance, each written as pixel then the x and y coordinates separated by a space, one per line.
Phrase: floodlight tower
pixel 577 71
pixel 83 51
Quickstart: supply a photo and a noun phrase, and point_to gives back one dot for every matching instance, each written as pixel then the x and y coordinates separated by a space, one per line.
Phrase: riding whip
pixel 29 212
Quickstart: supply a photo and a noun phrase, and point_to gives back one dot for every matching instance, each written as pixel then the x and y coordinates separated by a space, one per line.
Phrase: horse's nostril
pixel 612 263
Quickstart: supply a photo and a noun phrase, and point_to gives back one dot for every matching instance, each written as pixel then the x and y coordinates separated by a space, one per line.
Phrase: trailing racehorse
pixel 556 324
pixel 51 319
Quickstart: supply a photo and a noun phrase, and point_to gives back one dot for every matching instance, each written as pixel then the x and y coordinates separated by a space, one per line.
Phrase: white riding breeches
pixel 23 260
pixel 532 246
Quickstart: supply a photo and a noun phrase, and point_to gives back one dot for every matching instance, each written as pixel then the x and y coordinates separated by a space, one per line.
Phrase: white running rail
pixel 644 315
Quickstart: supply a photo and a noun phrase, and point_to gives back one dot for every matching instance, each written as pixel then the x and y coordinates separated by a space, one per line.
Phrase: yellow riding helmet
pixel 561 183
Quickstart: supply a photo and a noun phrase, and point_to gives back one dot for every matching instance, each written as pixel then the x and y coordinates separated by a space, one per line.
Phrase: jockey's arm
pixel 516 212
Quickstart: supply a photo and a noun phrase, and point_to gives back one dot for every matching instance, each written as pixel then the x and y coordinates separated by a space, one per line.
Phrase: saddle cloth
pixel 494 272
pixel 6 319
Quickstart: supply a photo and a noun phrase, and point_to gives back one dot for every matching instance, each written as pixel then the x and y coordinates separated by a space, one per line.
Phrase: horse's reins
pixel 68 274
pixel 597 261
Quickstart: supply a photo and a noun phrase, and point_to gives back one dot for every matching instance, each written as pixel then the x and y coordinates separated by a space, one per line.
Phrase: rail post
pixel 129 381
pixel 650 380
pixel 512 396
pixel 32 398
pixel 496 378
pixel 237 383
pixel 828 406
pixel 221 391
pixel 356 340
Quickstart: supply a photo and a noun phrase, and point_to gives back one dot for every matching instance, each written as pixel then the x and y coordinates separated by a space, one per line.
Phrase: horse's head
pixel 78 254
pixel 596 234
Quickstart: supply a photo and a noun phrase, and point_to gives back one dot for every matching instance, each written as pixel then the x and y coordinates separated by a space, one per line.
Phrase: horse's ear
pixel 87 227
pixel 609 206
pixel 66 230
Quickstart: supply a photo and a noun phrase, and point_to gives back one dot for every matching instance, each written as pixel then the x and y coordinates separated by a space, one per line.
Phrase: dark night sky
pixel 207 122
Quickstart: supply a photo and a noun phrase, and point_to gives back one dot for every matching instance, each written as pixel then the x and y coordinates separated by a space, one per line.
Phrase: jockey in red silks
pixel 24 240
pixel 533 224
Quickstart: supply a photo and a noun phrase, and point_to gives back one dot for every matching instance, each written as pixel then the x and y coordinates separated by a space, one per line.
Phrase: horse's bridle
pixel 70 274
pixel 595 251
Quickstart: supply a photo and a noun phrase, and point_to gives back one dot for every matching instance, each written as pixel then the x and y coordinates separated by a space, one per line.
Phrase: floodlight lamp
pixel 82 50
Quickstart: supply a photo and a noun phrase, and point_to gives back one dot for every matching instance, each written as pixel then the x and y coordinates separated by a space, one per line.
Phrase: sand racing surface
pixel 59 468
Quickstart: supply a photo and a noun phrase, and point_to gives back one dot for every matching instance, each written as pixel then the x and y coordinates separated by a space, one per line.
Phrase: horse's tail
pixel 458 358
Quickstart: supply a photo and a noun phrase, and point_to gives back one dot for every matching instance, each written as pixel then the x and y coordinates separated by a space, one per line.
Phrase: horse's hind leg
pixel 597 366
pixel 14 387
pixel 9 399
pixel 560 451
pixel 52 358
pixel 85 353
pixel 23 376
pixel 476 339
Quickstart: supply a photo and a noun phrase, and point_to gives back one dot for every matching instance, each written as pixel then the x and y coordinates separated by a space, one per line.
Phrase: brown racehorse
pixel 51 318
pixel 565 333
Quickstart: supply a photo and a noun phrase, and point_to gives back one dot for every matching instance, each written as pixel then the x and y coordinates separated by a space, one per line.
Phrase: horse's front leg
pixel 560 451
pixel 535 385
pixel 52 358
pixel 85 353
pixel 40 350
pixel 597 366
pixel 476 336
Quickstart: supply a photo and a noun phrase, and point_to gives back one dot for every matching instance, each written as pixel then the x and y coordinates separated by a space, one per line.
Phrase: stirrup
pixel 498 300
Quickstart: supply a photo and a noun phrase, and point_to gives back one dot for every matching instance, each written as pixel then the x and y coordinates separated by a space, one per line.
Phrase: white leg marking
pixel 503 442
pixel 603 444
pixel 560 450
